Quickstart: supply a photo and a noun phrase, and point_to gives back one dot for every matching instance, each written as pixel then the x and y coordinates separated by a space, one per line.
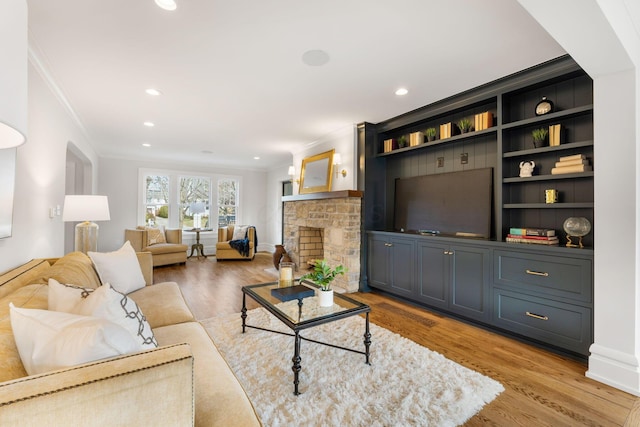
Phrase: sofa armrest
pixel 147 388
pixel 137 238
pixel 173 235
pixel 146 265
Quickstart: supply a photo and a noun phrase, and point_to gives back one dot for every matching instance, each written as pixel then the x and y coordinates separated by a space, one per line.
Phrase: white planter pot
pixel 325 298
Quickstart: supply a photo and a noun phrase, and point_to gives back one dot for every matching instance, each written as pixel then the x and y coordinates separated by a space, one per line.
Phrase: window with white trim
pixel 227 201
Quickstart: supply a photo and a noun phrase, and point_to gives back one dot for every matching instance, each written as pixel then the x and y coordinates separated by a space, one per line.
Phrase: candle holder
pixel 286 274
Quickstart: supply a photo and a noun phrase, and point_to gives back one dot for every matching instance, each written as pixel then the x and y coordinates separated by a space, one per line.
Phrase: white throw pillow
pixel 120 268
pixel 50 340
pixel 105 303
pixel 239 232
pixel 65 297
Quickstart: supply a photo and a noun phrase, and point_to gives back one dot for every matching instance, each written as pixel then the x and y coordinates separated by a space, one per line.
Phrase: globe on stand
pixel 576 227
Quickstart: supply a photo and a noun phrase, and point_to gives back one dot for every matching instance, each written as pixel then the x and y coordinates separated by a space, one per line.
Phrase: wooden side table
pixel 197 246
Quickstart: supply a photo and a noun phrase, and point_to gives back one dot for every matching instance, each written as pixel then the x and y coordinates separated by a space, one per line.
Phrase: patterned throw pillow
pixel 155 236
pixel 239 232
pixel 105 303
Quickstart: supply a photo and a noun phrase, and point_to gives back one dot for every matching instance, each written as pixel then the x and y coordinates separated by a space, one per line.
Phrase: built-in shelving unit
pixel 486 280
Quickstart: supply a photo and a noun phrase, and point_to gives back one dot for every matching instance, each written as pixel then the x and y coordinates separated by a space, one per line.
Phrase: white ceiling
pixel 232 74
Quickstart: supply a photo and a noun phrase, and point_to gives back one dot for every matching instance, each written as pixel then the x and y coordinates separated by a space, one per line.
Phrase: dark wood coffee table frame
pixel 296 327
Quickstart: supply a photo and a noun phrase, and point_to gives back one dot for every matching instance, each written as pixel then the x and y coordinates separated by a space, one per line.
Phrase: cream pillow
pixel 119 268
pixel 65 298
pixel 105 303
pixel 155 236
pixel 239 232
pixel 50 340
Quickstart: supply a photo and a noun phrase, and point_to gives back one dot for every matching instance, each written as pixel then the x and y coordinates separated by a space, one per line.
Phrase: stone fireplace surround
pixel 337 216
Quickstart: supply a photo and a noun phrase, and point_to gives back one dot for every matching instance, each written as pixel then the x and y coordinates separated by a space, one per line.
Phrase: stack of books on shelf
pixel 445 130
pixel 388 145
pixel 483 121
pixel 416 138
pixel 571 164
pixel 536 236
pixel 554 135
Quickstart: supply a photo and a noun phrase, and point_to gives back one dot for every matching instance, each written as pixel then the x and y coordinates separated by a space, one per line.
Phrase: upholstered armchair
pixel 245 242
pixel 165 245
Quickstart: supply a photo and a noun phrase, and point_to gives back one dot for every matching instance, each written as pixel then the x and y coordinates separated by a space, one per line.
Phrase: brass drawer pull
pixel 536 316
pixel 388 244
pixel 536 273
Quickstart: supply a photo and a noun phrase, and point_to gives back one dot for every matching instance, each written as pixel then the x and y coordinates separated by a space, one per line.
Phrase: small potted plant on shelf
pixel 402 141
pixel 322 275
pixel 464 125
pixel 430 134
pixel 539 137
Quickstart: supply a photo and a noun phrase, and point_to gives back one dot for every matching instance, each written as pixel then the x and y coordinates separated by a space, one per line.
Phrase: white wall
pixel 40 177
pixel 605 42
pixel 344 142
pixel 118 179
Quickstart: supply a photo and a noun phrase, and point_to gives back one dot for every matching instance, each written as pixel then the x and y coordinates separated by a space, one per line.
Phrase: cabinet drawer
pixel 549 275
pixel 563 325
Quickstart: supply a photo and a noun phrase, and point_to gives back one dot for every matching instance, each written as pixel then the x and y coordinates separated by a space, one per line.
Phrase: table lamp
pixel 86 208
pixel 197 209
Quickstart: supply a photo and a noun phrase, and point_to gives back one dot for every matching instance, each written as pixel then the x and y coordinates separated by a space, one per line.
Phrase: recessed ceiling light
pixel 207 152
pixel 402 91
pixel 256 158
pixel 167 4
pixel 315 58
pixel 153 92
pixel 149 124
pixel 146 144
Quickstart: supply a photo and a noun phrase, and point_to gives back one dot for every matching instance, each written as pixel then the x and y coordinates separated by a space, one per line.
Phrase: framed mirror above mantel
pixel 316 173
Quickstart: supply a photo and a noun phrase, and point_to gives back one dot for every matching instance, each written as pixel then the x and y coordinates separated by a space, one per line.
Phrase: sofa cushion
pixel 50 340
pixel 166 248
pixel 30 296
pixel 74 267
pixel 220 400
pixel 119 268
pixel 105 303
pixel 155 236
pixel 162 304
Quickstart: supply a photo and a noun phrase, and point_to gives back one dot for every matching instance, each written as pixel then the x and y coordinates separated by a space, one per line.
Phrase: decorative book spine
pixel 554 135
pixel 416 138
pixel 532 232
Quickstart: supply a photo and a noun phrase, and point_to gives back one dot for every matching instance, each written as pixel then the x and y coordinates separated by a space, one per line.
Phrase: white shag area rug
pixel 405 385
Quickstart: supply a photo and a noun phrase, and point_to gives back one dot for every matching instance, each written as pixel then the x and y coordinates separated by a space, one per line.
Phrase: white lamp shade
pixel 197 208
pixel 86 208
pixel 292 170
pixel 13 63
pixel 337 159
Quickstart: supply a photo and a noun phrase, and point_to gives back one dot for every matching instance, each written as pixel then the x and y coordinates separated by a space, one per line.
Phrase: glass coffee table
pixel 299 310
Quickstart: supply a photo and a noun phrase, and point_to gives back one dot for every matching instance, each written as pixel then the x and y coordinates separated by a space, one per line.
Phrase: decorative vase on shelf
pixel 325 298
pixel 576 227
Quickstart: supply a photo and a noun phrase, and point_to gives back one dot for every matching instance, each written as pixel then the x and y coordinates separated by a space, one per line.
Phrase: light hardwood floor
pixel 541 388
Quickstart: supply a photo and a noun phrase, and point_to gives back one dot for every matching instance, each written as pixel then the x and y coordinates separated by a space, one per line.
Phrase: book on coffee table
pixel 292 292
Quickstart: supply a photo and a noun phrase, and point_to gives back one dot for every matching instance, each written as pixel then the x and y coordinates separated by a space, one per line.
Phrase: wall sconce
pixel 292 174
pixel 337 161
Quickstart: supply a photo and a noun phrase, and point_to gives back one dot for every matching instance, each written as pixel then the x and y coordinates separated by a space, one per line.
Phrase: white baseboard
pixel 614 368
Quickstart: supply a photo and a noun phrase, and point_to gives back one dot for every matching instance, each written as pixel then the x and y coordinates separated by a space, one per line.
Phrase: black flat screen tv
pixel 453 203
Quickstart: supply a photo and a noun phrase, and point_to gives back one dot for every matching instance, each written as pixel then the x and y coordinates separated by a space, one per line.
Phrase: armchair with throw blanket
pixel 236 242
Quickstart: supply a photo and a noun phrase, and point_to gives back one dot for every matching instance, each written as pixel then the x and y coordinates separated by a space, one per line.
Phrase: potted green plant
pixel 402 141
pixel 430 134
pixel 464 125
pixel 539 137
pixel 322 275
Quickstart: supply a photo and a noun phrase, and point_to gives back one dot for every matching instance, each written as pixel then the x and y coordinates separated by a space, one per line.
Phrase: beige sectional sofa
pixel 185 381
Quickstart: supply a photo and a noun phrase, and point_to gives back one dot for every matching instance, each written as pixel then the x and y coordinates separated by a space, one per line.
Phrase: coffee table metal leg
pixel 367 339
pixel 244 312
pixel 296 363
